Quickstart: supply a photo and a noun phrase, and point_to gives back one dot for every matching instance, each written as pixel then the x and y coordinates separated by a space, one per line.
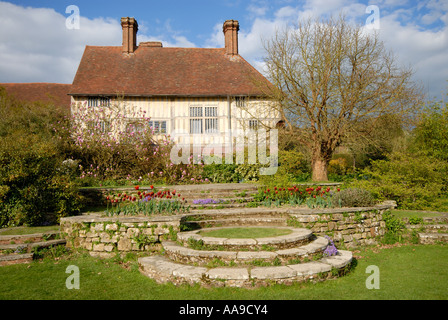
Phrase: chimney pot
pixel 230 29
pixel 130 28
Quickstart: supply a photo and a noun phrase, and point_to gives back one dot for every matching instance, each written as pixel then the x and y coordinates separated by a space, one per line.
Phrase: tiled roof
pixel 153 71
pixel 54 93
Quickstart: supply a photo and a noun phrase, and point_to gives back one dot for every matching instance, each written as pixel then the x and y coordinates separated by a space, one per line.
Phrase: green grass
pixel 242 233
pixel 416 272
pixel 27 230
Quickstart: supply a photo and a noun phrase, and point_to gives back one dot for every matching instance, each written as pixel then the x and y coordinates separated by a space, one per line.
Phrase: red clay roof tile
pixel 153 71
pixel 55 93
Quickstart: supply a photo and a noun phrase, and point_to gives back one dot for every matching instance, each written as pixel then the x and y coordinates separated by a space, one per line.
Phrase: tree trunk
pixel 319 167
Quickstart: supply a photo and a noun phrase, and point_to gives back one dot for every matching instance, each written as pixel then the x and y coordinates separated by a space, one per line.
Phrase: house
pixel 194 94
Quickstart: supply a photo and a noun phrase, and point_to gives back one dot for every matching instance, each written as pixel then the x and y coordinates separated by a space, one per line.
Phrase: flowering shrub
pixel 115 142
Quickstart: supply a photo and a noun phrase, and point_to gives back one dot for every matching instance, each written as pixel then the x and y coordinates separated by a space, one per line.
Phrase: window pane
pixel 195 125
pixel 211 125
pixel 92 102
pixel 195 111
pixel 211 111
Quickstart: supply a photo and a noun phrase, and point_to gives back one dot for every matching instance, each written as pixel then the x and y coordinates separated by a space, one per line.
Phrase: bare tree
pixel 329 76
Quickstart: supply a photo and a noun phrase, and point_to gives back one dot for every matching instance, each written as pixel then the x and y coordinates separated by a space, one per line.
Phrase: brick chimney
pixel 230 29
pixel 130 28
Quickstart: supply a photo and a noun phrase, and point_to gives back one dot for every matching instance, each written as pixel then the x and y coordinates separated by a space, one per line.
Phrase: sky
pixel 43 41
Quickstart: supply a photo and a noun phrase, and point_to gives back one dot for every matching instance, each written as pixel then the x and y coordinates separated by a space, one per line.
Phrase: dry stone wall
pixel 350 226
pixel 104 237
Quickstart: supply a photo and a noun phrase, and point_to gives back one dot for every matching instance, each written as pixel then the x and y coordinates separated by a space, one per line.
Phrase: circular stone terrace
pixel 245 262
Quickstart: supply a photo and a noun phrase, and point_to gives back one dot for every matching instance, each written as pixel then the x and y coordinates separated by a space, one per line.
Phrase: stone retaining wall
pixel 350 226
pixel 104 236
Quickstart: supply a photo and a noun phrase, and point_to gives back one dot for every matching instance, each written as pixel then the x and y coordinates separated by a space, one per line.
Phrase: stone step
pixel 432 238
pixel 298 236
pixel 428 228
pixel 438 218
pixel 179 253
pixel 29 246
pixel 234 222
pixel 163 270
pixel 219 203
pixel 243 213
pixel 28 238
pixel 10 259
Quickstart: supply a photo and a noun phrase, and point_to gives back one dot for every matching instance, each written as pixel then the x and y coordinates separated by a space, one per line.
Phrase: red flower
pixel 137 187
pixel 151 186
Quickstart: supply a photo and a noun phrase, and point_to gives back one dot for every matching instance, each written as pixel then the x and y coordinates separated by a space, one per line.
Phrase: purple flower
pixel 205 201
pixel 331 248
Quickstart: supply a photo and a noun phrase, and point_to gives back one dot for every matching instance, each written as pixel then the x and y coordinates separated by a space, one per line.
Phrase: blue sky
pixel 36 46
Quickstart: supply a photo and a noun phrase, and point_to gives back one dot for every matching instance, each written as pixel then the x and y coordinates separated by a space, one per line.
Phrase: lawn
pixel 416 272
pixel 28 230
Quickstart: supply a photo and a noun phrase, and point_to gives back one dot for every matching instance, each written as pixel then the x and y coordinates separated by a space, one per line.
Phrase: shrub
pixel 34 186
pixel 293 162
pixel 221 173
pixel 353 198
pixel 413 181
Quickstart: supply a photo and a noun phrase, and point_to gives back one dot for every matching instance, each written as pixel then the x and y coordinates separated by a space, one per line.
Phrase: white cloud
pixel 422 49
pixel 41 49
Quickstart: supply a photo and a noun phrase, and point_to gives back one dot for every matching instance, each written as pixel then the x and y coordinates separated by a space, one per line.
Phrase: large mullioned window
pixel 203 119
